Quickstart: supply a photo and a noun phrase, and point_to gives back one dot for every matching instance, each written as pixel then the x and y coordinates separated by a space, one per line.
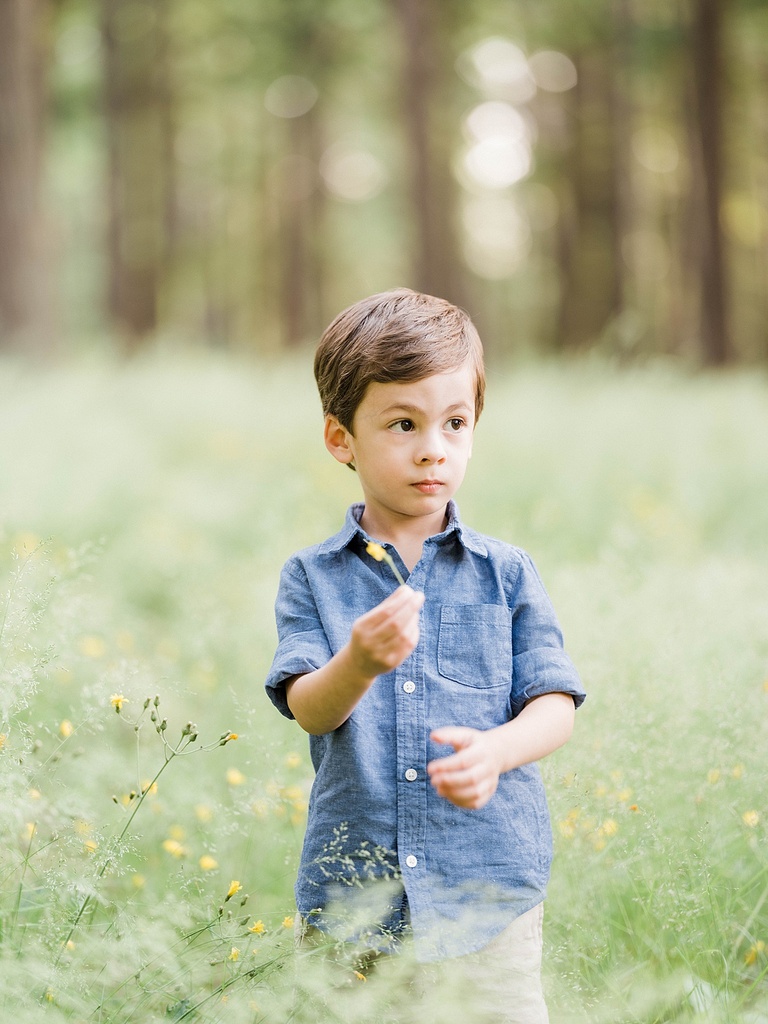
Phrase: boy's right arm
pixel 381 639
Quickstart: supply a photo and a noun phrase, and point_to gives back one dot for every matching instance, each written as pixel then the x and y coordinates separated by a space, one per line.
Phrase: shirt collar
pixel 351 529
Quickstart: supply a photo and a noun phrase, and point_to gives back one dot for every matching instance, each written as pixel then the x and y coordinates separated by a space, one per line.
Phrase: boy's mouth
pixel 428 486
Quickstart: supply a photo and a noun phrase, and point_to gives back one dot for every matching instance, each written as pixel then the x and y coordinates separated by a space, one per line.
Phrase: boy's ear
pixel 336 440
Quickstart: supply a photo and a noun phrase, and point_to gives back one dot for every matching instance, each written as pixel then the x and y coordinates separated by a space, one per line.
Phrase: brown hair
pixel 400 335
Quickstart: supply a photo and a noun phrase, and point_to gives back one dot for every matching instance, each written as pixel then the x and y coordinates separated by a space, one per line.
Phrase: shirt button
pixel 411 861
pixel 411 774
pixel 409 687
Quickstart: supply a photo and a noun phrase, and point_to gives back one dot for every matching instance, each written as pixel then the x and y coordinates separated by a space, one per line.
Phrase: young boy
pixel 428 703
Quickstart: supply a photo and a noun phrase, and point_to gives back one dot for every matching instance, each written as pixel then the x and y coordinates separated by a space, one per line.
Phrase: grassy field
pixel 147 855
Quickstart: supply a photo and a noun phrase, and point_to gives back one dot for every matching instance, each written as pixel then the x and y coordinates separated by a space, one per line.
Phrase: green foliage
pixel 146 512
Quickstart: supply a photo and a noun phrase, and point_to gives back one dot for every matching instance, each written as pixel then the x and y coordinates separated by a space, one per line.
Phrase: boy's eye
pixel 455 423
pixel 403 426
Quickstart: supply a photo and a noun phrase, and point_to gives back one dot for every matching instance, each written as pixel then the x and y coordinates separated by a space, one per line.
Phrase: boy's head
pixel 399 335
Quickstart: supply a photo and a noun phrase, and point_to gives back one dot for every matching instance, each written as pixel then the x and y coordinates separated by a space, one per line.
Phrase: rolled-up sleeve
pixel 302 643
pixel 540 664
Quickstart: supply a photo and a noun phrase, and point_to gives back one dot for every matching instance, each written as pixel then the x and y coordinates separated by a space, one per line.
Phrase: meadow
pixel 154 801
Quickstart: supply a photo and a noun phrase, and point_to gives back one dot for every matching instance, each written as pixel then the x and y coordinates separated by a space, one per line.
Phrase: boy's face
pixel 410 443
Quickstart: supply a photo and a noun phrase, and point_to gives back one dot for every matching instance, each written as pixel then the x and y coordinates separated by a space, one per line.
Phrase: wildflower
pixel 360 976
pixel 90 846
pixel 754 951
pixel 235 954
pixel 257 928
pixel 293 760
pixel 208 863
pixel 139 881
pixel 203 813
pixel 3 738
pixel 288 922
pixel 382 555
pixel 149 787
pixel 609 827
pixel 234 887
pixel 567 828
pixel 34 794
pixel 737 771
pixel 174 847
pixel 177 832
pixel 713 776
pixel 235 777
pixel 66 729
pixel 750 818
pixel 117 700
pixel 634 807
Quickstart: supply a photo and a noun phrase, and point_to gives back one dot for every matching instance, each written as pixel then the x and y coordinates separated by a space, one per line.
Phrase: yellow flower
pixel 92 647
pixel 139 881
pixel 750 818
pixel 235 954
pixel 90 846
pixel 737 771
pixel 203 813
pixel 66 729
pixel 293 760
pixel 234 887
pixel 609 827
pixel 235 777
pixel 381 555
pixel 756 950
pixel 3 738
pixel 174 847
pixel 360 976
pixel 117 700
pixel 257 928
pixel 208 863
pixel 713 776
pixel 376 551
pixel 287 922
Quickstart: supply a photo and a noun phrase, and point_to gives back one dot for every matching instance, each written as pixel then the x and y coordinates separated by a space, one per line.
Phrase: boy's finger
pixel 456 736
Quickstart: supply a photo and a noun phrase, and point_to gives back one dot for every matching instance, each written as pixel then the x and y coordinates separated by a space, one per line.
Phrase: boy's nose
pixel 433 451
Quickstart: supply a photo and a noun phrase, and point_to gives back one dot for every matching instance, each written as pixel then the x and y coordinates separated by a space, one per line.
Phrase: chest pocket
pixel 475 644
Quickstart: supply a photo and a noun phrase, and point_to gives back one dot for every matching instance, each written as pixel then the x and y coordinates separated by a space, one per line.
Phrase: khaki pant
pixel 500 984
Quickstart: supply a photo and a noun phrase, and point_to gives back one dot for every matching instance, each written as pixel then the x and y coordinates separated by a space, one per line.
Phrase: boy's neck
pixel 406 536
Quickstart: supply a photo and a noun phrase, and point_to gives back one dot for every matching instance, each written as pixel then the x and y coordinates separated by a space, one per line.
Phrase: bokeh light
pixel 352 173
pixel 290 96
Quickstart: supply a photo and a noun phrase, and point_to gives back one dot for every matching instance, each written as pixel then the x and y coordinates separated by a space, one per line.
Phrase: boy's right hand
pixel 383 638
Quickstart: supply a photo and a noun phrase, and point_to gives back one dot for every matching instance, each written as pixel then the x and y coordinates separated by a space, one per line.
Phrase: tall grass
pixel 145 511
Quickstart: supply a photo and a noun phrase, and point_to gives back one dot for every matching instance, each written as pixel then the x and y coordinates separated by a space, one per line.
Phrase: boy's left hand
pixel 469 777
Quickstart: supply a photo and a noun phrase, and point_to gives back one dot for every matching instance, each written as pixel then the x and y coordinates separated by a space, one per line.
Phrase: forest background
pixel 189 191
pixel 576 173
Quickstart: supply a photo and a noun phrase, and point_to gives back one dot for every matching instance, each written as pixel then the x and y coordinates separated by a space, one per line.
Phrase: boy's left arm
pixel 469 777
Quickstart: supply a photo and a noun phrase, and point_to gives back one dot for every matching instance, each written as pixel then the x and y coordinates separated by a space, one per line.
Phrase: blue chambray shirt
pixel 489 642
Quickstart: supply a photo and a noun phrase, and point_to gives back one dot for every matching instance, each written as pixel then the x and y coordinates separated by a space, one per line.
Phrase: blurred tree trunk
pixel 707 165
pixel 139 188
pixel 25 312
pixel 431 191
pixel 590 257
